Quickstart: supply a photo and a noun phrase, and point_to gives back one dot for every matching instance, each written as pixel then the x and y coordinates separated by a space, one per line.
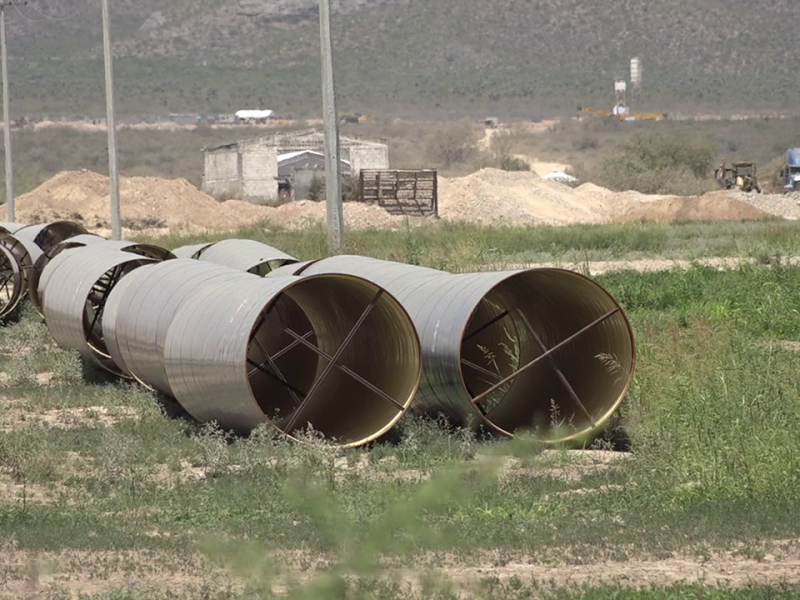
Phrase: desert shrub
pixel 514 163
pixel 657 163
pixel 451 146
pixel 316 190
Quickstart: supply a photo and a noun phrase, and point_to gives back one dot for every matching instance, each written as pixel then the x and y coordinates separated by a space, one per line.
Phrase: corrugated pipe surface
pixel 77 284
pixel 246 255
pixel 547 350
pixel 47 235
pixel 11 227
pixel 334 352
pixel 11 282
pixel 35 275
pixel 192 251
pixel 141 307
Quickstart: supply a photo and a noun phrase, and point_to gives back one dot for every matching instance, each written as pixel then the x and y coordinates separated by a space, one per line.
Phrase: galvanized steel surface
pixel 246 255
pixel 471 324
pixel 47 235
pixel 210 360
pixel 11 227
pixel 141 307
pixel 35 274
pixel 148 250
pixel 191 251
pixel 77 283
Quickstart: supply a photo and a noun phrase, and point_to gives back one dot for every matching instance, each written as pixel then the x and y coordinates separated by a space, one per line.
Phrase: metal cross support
pixel 546 354
pixel 333 360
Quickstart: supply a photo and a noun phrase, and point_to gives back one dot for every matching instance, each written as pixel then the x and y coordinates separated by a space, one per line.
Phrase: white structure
pixel 248 169
pixel 253 115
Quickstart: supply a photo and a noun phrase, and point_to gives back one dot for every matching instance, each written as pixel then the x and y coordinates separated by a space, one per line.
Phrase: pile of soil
pixel 715 206
pixel 163 205
pixel 520 197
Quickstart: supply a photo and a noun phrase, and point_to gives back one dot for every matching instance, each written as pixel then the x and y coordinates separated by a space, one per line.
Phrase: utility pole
pixel 6 120
pixel 331 122
pixel 116 229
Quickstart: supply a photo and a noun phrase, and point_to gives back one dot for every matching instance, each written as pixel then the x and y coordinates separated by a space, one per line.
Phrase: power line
pixel 21 14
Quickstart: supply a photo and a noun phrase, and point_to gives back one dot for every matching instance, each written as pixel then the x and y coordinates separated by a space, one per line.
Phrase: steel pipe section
pixel 191 251
pixel 246 255
pixel 47 235
pixel 141 307
pixel 78 283
pixel 335 353
pixel 11 283
pixel 542 350
pixel 147 250
pixel 35 274
pixel 11 227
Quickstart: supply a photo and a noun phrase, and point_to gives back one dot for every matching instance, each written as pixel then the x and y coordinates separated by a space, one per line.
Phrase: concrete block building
pixel 248 169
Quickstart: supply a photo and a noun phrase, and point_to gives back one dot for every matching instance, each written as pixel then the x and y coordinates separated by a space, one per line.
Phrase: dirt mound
pixel 518 197
pixel 145 202
pixel 710 207
pixel 159 205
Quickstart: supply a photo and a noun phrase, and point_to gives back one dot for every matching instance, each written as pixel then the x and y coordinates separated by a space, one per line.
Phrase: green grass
pixel 712 416
pixel 463 246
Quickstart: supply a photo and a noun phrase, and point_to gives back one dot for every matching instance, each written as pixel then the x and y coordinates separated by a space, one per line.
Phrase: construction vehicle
pixel 790 173
pixel 739 175
pixel 354 117
pixel 622 114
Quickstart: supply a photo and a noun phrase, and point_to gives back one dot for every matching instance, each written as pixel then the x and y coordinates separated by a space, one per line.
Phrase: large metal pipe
pixel 545 350
pixel 11 227
pixel 246 255
pixel 334 352
pixel 29 242
pixel 78 241
pixel 141 307
pixel 11 282
pixel 148 250
pixel 191 251
pixel 78 283
pixel 47 235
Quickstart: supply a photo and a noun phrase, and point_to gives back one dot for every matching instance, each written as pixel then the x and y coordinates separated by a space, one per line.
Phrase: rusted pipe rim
pixel 11 282
pixel 547 350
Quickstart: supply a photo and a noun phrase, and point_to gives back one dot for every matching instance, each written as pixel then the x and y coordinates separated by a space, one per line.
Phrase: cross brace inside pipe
pixel 334 359
pixel 543 356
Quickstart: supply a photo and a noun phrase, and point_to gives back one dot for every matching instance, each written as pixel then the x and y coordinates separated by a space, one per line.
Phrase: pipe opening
pixel 93 312
pixel 356 364
pixel 263 268
pixel 564 386
pixel 54 233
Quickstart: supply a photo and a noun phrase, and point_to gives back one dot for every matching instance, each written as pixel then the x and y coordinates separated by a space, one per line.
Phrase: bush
pixel 451 146
pixel 316 190
pixel 514 163
pixel 656 163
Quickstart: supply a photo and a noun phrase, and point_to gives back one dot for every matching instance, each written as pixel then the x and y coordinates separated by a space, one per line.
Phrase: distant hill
pixel 406 56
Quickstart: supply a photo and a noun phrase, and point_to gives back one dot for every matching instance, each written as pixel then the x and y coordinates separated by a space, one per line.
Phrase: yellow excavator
pixel 628 116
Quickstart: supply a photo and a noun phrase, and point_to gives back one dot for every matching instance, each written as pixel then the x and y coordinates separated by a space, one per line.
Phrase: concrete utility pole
pixel 116 229
pixel 6 120
pixel 330 118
